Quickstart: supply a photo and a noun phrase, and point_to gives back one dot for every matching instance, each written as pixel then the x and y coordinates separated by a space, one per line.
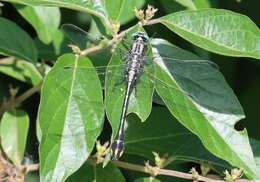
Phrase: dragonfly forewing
pixel 78 36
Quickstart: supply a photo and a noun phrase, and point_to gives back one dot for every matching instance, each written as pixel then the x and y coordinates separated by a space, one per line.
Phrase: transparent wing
pixel 78 36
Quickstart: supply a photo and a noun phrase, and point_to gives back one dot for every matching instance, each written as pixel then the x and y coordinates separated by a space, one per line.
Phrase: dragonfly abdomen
pixel 133 70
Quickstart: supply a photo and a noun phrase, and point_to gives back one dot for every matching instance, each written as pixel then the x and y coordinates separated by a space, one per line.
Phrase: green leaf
pixel 216 30
pixel 256 149
pixel 122 10
pixel 187 3
pixel 209 107
pixel 14 130
pixel 16 42
pixel 95 7
pixel 21 70
pixel 147 179
pixel 200 4
pixel 161 133
pixel 141 97
pixel 45 20
pixel 51 51
pixel 97 173
pixel 70 116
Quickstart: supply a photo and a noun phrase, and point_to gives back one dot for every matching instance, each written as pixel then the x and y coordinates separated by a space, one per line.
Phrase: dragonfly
pixel 136 59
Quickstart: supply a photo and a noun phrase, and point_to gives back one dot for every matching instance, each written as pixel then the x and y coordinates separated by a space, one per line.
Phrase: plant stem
pixel 167 172
pixel 99 47
pixel 13 102
pixel 151 22
pixel 32 167
pixel 140 168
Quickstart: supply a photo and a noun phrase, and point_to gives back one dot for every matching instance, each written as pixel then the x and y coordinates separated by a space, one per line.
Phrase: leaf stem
pixel 13 102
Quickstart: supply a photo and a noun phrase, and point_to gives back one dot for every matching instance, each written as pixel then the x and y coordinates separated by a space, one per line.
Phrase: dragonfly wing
pixel 78 36
pixel 196 80
pixel 102 71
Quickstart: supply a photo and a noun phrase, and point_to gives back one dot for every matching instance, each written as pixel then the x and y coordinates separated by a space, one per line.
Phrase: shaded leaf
pixel 187 3
pixel 163 134
pixel 217 30
pixel 97 173
pixel 256 149
pixel 70 117
pixel 45 20
pixel 16 42
pixel 194 4
pixel 21 70
pixel 53 50
pixel 14 130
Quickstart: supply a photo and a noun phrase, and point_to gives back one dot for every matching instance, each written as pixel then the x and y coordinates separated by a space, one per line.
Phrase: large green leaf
pixel 93 172
pixel 216 30
pixel 14 130
pixel 209 107
pixel 21 70
pixel 16 42
pixel 95 7
pixel 163 134
pixel 70 117
pixel 45 20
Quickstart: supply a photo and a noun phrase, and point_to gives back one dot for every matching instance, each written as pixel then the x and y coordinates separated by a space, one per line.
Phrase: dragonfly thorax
pixel 138 48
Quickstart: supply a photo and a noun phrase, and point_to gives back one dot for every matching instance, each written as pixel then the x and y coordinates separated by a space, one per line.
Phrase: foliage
pixel 187 109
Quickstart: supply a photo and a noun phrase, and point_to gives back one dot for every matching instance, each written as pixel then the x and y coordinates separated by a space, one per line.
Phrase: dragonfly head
pixel 140 35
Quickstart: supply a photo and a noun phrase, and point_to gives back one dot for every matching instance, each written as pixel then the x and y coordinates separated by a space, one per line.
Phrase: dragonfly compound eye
pixel 142 35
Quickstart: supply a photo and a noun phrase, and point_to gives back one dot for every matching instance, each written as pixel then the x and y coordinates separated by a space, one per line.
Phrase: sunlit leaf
pixel 217 30
pixel 14 130
pixel 94 7
pixel 45 20
pixel 122 10
pixel 70 117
